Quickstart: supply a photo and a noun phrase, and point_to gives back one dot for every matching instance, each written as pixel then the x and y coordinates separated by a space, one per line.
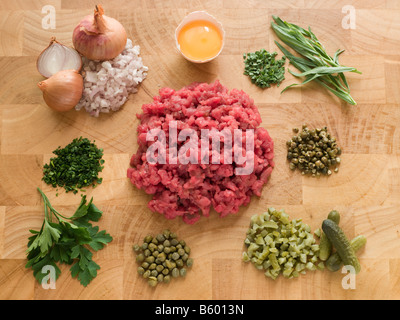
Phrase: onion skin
pixel 62 91
pixel 99 37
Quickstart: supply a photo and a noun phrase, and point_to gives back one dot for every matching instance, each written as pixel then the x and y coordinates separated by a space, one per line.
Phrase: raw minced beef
pixel 191 190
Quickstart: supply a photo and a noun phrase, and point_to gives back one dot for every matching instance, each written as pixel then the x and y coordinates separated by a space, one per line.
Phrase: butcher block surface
pixel 366 190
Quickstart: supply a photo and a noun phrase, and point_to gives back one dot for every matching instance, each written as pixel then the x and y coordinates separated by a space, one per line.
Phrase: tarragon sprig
pixel 315 63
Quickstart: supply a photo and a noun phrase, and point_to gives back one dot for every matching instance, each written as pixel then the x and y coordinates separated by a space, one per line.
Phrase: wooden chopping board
pixel 366 190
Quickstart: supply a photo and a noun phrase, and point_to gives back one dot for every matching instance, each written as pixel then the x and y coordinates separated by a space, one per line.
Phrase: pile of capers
pixel 314 152
pixel 162 258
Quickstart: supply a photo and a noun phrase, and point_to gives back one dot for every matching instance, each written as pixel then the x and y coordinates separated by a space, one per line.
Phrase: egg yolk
pixel 200 40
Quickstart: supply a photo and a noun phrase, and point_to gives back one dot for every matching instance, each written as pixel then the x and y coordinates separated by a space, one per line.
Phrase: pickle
pixel 342 245
pixel 335 262
pixel 324 244
pixel 334 216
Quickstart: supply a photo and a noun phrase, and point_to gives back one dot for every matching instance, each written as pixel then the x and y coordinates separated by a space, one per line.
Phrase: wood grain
pixel 366 190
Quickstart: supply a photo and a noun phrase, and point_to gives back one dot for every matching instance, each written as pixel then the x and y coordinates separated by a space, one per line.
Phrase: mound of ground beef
pixel 191 190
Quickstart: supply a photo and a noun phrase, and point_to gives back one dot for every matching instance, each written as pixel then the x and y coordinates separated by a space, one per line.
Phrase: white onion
pixel 58 57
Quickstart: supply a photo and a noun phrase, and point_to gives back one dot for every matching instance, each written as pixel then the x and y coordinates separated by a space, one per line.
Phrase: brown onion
pixel 99 37
pixel 62 91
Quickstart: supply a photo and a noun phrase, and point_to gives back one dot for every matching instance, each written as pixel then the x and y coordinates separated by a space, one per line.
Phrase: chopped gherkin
pixel 279 245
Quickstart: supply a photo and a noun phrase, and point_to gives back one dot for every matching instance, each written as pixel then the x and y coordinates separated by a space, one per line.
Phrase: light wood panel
pixel 366 190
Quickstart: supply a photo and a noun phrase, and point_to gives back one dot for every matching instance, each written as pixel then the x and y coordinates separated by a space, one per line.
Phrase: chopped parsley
pixel 76 166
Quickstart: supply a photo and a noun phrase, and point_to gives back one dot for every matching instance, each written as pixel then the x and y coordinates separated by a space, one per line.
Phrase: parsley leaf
pixel 68 241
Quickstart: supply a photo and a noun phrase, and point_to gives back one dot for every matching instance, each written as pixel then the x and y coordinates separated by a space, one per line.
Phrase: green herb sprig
pixel 75 166
pixel 315 64
pixel 263 69
pixel 67 240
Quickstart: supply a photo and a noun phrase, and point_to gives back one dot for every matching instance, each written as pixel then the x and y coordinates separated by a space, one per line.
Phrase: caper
pixel 160 238
pixel 159 268
pixel 150 259
pixel 175 256
pixel 166 233
pixel 162 257
pixel 179 263
pixel 311 151
pixel 152 247
pixel 167 279
pixel 189 262
pixel 152 281
pixel 140 257
pixel 167 250
pixel 182 272
pixel 146 274
pixel 166 243
pixel 175 273
pixel 165 271
pixel 152 266
pixel 154 273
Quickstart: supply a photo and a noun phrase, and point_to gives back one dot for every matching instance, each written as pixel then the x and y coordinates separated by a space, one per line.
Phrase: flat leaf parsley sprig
pixel 67 240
